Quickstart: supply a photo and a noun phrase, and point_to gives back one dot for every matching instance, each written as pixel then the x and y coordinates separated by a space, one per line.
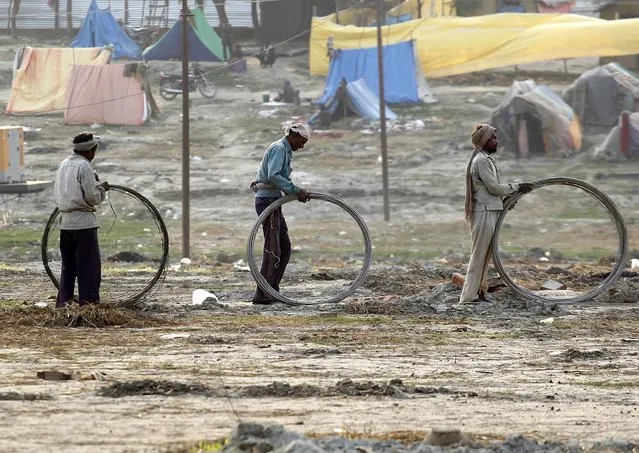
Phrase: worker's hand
pixel 106 186
pixel 525 187
pixel 303 196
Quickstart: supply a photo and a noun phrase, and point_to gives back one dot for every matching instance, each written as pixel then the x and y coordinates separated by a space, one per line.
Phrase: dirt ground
pixel 399 356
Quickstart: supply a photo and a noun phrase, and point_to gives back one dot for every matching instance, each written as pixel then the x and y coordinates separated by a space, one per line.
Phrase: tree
pixel 221 10
pixel 256 20
pixel 70 18
pixel 15 8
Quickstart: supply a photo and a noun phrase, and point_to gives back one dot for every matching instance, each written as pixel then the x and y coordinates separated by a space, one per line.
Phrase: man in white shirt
pixel 76 194
pixel 484 204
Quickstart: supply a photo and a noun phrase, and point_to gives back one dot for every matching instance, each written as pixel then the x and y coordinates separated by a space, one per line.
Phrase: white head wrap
pixel 86 146
pixel 300 128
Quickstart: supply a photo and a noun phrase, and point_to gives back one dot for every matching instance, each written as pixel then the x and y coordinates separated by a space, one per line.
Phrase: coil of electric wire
pixel 619 224
pixel 350 290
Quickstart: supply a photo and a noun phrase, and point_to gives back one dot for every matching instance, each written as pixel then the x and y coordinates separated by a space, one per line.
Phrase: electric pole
pixel 382 109
pixel 186 155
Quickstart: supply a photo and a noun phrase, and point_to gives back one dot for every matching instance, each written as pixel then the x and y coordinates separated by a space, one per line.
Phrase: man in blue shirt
pixel 273 178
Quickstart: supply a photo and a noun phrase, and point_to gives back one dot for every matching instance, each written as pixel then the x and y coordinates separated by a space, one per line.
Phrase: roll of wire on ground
pixel 619 224
pixel 261 281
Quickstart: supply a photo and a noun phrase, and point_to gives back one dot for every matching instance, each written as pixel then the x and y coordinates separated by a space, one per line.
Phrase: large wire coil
pixel 266 287
pixel 621 256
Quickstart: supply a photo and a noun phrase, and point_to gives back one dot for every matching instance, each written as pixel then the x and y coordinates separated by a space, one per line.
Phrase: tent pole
pixel 186 155
pixel 382 109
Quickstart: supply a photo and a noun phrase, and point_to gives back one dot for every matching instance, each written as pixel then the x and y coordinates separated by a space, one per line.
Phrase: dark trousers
pixel 80 259
pixel 277 246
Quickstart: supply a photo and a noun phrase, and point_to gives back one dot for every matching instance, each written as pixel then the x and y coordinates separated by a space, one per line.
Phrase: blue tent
pixel 352 99
pixel 204 43
pixel 100 28
pixel 403 82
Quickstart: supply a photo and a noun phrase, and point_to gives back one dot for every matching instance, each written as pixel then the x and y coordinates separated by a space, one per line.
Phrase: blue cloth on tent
pixel 391 20
pixel 100 28
pixel 400 72
pixel 360 100
pixel 365 102
pixel 511 9
pixel 169 47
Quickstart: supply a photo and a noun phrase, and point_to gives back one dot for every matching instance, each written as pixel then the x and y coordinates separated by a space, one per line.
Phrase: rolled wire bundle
pixel 621 255
pixel 264 285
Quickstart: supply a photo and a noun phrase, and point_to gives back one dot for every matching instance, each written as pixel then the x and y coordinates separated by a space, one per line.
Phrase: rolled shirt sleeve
pixel 275 167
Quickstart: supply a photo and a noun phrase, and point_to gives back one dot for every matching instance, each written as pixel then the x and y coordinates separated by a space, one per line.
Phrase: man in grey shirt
pixel 484 204
pixel 76 194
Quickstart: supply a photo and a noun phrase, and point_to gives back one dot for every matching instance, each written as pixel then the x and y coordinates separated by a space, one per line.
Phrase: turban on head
pixel 482 133
pixel 92 140
pixel 300 128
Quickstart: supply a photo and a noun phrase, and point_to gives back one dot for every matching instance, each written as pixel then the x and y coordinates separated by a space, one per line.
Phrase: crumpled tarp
pixel 560 127
pixel 457 45
pixel 40 81
pixel 103 95
pixel 100 28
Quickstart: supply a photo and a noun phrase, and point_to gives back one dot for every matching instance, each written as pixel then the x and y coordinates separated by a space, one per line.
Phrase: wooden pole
pixel 382 109
pixel 126 11
pixel 186 155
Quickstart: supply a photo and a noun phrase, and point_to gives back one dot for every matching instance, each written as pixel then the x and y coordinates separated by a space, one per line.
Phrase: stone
pixel 444 436
pixel 53 376
pixel 553 285
pixel 557 271
pixel 226 258
pixel 302 446
pixel 246 429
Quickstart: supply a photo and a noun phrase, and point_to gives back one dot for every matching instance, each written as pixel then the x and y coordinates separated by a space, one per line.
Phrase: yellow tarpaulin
pixel 40 83
pixel 457 45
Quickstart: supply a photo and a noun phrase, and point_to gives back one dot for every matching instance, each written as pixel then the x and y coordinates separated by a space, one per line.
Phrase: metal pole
pixel 337 12
pixel 382 109
pixel 419 9
pixel 186 155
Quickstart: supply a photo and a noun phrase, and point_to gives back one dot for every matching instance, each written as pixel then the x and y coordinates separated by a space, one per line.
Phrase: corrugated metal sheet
pixel 36 15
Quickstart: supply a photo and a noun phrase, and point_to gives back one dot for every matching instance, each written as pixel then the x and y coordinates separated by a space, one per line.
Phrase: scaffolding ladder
pixel 158 13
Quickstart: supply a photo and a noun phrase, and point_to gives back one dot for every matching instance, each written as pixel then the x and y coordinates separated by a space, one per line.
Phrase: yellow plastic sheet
pixel 457 45
pixel 39 84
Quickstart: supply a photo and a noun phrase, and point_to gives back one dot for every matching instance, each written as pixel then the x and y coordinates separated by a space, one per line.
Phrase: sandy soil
pixel 547 371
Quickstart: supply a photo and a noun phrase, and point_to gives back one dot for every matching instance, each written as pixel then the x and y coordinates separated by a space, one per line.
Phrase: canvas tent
pixel 204 43
pixel 534 120
pixel 612 145
pixel 100 28
pixel 109 94
pixel 458 45
pixel 40 77
pixel 403 81
pixel 599 95
pixel 350 99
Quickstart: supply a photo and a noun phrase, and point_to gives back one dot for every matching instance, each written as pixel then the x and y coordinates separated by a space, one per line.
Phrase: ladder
pixel 158 15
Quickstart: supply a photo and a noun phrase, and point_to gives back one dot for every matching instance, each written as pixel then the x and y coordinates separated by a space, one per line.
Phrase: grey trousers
pixel 481 233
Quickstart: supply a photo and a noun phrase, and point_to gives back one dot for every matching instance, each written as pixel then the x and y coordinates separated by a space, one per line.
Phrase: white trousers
pixel 481 233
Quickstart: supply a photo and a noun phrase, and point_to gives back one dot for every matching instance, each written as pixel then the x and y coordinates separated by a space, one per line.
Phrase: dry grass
pixel 102 315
